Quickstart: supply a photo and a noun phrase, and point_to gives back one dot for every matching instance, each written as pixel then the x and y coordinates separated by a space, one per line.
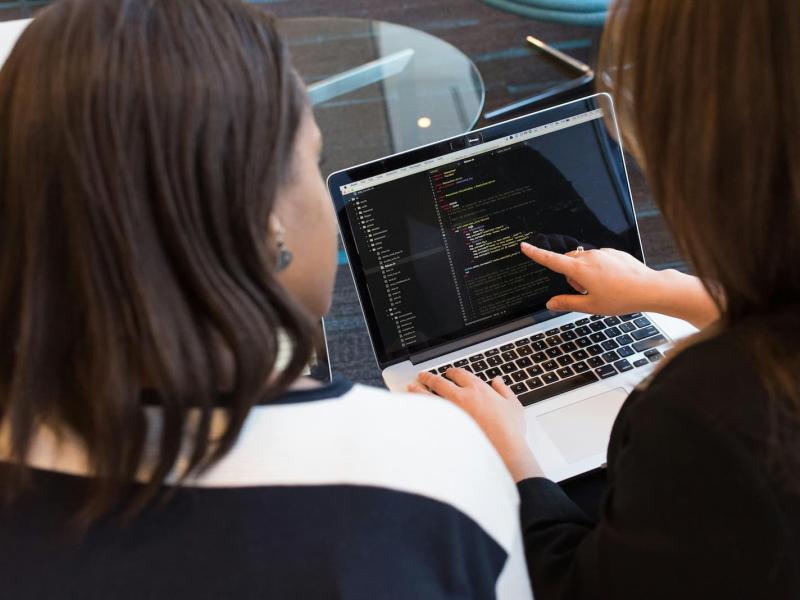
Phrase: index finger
pixel 554 261
pixel 438 384
pixel 462 377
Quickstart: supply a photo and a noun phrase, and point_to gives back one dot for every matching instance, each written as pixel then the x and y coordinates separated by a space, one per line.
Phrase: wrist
pixel 663 292
pixel 521 463
pixel 682 296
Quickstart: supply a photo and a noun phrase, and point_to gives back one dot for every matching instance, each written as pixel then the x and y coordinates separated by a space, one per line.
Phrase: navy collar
pixel 334 389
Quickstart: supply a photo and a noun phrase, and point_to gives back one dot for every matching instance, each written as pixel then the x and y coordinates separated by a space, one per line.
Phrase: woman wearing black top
pixel 703 497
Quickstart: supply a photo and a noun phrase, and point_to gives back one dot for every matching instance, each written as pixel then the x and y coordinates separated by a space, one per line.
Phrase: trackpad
pixel 581 429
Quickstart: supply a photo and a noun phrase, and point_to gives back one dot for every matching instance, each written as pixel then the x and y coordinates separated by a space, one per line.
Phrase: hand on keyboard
pixel 496 410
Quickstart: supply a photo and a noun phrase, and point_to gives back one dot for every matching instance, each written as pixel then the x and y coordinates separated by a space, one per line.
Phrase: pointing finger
pixel 559 263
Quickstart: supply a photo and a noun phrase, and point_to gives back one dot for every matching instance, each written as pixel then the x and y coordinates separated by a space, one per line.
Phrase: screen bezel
pixel 448 146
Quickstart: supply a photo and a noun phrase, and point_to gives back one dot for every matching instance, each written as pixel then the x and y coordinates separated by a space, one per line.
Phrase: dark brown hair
pixel 142 143
pixel 708 96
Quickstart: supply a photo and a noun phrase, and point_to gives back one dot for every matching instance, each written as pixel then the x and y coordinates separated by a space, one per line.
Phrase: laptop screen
pixel 433 235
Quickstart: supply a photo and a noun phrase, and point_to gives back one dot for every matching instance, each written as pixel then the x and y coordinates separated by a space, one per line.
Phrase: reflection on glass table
pixel 380 88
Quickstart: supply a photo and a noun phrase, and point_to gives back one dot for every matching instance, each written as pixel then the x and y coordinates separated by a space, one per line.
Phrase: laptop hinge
pixel 446 348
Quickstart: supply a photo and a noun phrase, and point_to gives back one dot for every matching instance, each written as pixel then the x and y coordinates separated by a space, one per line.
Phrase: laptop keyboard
pixel 567 357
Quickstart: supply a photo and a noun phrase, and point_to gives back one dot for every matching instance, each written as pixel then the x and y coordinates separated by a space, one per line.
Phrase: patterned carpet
pixel 495 42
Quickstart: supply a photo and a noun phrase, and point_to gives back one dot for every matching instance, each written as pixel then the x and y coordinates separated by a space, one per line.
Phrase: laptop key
pixel 606 371
pixel 568 347
pixel 583 330
pixel 609 345
pixel 597 337
pixel 518 388
pixel 475 357
pixel 625 351
pixel 649 343
pixel 568 336
pixel 550 365
pixel 508 367
pixel 537 337
pixel 521 342
pixel 630 317
pixel 433 372
pixel 597 326
pixel 492 352
pixel 610 356
pixel 554 340
pixel 553 352
pixel 510 355
pixel 507 380
pixel 583 342
pixel 480 365
pixel 519 376
pixel 653 355
pixel 627 327
pixel 595 317
pixel 539 346
pixel 580 354
pixel 493 372
pixel 595 361
pixel 539 393
pixel 641 362
pixel 642 322
pixel 565 372
pixel 506 347
pixel 534 383
pixel 524 362
pixel 550 377
pixel 624 340
pixel 565 360
pixel 610 321
pixel 539 357
pixel 580 367
pixel 524 350
pixel 623 365
pixel 461 363
pixel 466 368
pixel 612 332
pixel 494 361
pixel 646 332
pixel 551 331
pixel 444 368
pixel 594 350
pixel 583 321
pixel 534 371
pixel 567 327
pixel 482 376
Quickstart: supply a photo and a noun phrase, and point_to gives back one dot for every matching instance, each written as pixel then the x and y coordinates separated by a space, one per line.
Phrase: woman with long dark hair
pixel 166 246
pixel 703 497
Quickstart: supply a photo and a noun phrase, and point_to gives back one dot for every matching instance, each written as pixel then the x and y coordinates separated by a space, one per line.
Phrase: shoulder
pixel 415 444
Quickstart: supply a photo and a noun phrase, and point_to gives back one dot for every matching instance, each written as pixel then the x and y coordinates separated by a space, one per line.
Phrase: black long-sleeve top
pixel 698 504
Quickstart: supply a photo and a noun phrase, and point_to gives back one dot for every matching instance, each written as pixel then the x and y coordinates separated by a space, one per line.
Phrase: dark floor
pixel 495 42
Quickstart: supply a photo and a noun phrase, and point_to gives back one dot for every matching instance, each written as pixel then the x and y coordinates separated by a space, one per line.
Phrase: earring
pixel 284 256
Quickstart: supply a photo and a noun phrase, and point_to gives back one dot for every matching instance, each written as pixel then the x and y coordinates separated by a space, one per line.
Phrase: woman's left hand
pixel 496 410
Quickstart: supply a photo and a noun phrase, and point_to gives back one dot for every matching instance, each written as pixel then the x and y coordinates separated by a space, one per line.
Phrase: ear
pixel 275 226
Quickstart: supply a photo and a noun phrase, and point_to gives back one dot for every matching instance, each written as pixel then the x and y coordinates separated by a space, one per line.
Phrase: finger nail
pixel 527 246
pixel 552 305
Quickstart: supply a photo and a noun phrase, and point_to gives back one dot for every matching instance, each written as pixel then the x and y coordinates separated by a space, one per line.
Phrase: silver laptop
pixel 432 236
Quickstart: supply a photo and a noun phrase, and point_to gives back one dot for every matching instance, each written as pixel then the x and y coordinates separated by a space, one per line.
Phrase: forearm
pixel 676 294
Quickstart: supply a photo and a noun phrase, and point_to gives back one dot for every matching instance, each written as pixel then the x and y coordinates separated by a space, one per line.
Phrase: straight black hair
pixel 142 145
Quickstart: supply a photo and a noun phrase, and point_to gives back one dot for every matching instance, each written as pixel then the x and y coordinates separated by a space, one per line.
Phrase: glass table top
pixel 378 88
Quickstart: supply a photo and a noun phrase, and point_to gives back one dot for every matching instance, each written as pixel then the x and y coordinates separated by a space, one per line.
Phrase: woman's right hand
pixel 616 283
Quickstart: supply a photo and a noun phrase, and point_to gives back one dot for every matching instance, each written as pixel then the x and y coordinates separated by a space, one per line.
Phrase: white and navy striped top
pixel 344 491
